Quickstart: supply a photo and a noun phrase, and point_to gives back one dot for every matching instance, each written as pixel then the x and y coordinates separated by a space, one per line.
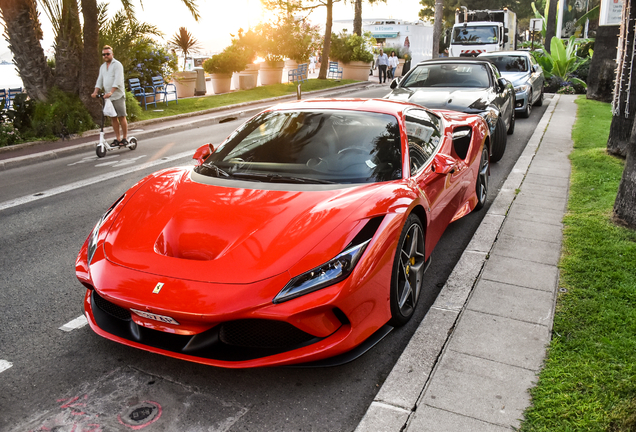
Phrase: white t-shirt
pixel 394 61
pixel 112 76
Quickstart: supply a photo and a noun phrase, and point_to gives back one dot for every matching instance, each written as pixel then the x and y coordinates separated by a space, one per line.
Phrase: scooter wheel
pixel 100 151
pixel 132 143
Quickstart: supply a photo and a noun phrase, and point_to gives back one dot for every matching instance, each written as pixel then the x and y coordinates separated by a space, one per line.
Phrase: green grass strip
pixel 214 101
pixel 589 381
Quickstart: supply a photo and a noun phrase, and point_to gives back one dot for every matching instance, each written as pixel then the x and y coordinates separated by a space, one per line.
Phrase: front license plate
pixel 160 318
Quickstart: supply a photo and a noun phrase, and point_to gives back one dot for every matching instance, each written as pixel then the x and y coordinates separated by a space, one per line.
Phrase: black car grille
pixel 111 308
pixel 231 341
pixel 258 333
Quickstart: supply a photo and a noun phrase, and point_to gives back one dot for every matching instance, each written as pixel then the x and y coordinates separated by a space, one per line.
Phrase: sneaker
pixel 114 143
pixel 123 142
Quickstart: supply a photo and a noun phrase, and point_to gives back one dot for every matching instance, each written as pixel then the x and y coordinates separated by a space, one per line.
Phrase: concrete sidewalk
pixel 479 349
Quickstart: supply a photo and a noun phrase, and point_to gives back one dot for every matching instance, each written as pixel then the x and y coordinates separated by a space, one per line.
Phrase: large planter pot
pixel 248 78
pixel 398 69
pixel 272 73
pixel 185 82
pixel 221 83
pixel 356 70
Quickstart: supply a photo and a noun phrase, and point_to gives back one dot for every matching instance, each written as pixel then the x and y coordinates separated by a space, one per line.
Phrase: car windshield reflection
pixel 448 75
pixel 319 147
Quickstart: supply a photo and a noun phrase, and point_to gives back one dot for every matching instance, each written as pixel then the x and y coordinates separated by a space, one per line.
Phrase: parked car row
pixel 304 237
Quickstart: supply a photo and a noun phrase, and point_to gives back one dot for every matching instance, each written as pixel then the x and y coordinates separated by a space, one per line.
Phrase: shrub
pixel 400 50
pixel 147 61
pixel 347 48
pixel 133 109
pixel 8 134
pixel 232 59
pixel 62 114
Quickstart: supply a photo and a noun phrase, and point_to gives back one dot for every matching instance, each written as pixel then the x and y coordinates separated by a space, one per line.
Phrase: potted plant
pixel 248 43
pixel 354 52
pixel 300 39
pixel 271 49
pixel 185 81
pixel 221 67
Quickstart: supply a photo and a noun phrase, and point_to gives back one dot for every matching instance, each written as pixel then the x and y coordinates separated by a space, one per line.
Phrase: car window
pixel 510 63
pixel 467 35
pixel 448 75
pixel 423 131
pixel 328 146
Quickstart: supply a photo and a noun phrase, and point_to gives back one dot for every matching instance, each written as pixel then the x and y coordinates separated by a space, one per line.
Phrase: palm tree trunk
pixel 625 204
pixel 324 64
pixel 23 32
pixel 68 49
pixel 600 81
pixel 550 25
pixel 357 18
pixel 437 26
pixel 90 58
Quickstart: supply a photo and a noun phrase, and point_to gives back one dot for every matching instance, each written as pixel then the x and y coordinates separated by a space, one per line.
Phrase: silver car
pixel 524 73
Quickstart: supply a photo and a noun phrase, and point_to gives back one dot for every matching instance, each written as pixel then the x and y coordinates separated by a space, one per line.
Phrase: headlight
pixel 522 88
pixel 92 240
pixel 327 274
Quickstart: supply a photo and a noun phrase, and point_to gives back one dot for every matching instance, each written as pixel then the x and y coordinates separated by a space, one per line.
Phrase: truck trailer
pixel 481 31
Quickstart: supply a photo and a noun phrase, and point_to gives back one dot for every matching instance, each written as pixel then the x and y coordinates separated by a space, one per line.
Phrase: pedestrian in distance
pixel 383 63
pixel 393 64
pixel 312 63
pixel 111 79
pixel 407 64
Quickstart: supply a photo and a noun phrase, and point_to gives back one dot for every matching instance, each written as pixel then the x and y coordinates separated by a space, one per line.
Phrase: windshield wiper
pixel 277 178
pixel 219 171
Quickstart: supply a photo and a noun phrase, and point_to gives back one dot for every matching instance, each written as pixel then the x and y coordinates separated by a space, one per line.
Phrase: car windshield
pixel 328 146
pixel 448 75
pixel 509 63
pixel 467 35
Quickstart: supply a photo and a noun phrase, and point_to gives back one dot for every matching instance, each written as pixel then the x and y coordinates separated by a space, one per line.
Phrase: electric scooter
pixel 103 146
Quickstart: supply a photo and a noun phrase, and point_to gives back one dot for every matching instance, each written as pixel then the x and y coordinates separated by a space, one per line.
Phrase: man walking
pixel 111 79
pixel 382 62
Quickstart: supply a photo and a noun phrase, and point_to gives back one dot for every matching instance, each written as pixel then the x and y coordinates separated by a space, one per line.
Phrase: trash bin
pixel 200 88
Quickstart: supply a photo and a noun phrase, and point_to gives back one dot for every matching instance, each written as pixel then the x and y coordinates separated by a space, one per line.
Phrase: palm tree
pixel 184 41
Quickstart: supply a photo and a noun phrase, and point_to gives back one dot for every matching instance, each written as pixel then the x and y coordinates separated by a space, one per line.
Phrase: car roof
pixel 454 60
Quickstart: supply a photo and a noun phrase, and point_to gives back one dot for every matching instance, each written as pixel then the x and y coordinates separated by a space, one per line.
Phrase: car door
pixel 536 77
pixel 502 99
pixel 435 174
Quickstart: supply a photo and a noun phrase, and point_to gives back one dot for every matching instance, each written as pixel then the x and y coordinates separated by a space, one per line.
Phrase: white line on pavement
pixel 78 322
pixel 79 184
pixel 4 365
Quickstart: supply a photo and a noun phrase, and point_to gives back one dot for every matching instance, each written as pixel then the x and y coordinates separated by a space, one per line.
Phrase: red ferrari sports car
pixel 302 238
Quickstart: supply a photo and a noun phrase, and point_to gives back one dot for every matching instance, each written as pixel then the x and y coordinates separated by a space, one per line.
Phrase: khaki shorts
pixel 120 106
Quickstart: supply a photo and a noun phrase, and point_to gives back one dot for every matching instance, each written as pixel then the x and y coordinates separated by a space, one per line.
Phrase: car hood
pixel 516 78
pixel 177 227
pixel 466 100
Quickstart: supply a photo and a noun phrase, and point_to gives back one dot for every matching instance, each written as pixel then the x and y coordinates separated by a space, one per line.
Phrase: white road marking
pixel 78 322
pixel 4 365
pixel 121 162
pixel 89 159
pixel 82 183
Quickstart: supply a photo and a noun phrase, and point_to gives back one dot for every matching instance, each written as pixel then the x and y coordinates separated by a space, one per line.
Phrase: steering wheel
pixel 318 164
pixel 353 149
pixel 473 82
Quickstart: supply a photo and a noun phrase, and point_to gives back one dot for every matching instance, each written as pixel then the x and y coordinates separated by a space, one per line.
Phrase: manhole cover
pixel 141 415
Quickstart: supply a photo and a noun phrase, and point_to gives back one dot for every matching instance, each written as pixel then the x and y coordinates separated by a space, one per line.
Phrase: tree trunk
pixel 550 25
pixel 437 26
pixel 324 64
pixel 625 204
pixel 600 81
pixel 23 32
pixel 68 49
pixel 90 58
pixel 357 18
pixel 624 103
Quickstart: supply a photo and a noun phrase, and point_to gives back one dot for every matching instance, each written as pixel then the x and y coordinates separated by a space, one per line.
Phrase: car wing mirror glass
pixel 501 82
pixel 443 164
pixel 202 153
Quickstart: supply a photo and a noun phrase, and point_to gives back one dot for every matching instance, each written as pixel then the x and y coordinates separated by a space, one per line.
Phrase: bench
pixel 147 94
pixel 3 98
pixel 334 72
pixel 299 74
pixel 10 96
pixel 161 88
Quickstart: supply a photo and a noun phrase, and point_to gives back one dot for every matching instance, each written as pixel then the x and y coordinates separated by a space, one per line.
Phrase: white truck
pixel 481 31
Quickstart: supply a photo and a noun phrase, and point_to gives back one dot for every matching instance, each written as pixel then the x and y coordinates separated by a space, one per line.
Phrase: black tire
pixel 132 143
pixel 481 183
pixel 511 127
pixel 526 113
pixel 540 99
pixel 100 151
pixel 408 272
pixel 499 141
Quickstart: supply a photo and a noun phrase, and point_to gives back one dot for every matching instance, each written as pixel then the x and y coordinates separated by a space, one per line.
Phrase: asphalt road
pixel 78 381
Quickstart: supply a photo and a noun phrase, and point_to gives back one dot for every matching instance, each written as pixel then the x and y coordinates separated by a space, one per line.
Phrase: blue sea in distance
pixel 9 77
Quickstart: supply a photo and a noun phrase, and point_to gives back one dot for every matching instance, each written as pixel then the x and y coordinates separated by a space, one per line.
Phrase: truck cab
pixel 476 32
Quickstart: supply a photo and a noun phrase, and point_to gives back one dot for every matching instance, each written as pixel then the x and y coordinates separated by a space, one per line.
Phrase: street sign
pixel 536 24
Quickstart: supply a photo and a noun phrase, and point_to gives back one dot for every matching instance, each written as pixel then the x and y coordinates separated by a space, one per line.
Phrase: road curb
pixel 395 404
pixel 228 113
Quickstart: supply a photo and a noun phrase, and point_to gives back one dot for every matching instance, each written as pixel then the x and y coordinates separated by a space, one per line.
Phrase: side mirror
pixel 506 38
pixel 202 153
pixel 501 82
pixel 395 82
pixel 443 164
pixel 535 68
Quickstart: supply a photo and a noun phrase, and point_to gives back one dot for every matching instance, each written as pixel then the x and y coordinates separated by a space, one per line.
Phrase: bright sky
pixel 219 18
